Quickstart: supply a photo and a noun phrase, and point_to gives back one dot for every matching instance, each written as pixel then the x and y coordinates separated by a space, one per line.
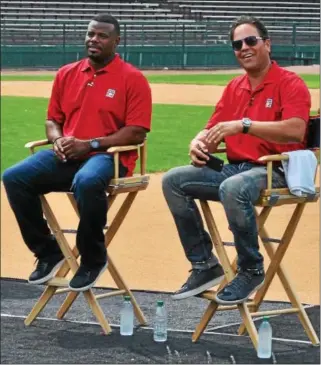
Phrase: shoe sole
pixel 198 290
pixel 48 276
pixel 227 302
pixel 84 288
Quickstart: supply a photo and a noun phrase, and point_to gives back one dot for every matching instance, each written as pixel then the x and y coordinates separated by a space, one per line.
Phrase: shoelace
pixel 190 277
pixel 40 264
pixel 242 279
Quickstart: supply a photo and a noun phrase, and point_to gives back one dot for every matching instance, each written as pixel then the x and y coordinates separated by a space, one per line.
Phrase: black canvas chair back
pixel 313 132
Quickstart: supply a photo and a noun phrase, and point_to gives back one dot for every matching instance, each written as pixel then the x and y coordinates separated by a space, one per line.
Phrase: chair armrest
pixel 221 149
pixel 116 150
pixel 33 144
pixel 124 148
pixel 141 148
pixel 273 158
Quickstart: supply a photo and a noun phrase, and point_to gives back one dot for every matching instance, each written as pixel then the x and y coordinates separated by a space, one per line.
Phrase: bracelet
pixel 54 141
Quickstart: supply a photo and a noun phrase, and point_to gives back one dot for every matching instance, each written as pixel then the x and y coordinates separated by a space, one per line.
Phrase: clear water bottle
pixel 264 349
pixel 160 323
pixel 127 318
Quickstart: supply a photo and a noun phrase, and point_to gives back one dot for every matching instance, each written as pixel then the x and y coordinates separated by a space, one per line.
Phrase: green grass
pixel 312 81
pixel 173 128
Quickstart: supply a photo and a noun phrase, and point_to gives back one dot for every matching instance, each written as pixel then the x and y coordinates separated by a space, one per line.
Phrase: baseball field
pixel 147 249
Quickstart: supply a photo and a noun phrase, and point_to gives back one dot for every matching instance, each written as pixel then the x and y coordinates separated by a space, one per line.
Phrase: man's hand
pixel 58 148
pixel 223 129
pixel 195 151
pixel 74 148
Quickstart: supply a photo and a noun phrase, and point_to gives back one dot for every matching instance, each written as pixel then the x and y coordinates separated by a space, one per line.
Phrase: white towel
pixel 299 172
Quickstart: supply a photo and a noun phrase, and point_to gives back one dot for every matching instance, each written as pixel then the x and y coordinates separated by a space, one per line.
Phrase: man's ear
pixel 267 43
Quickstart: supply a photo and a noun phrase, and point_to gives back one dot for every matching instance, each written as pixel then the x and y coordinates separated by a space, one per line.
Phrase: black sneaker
pixel 245 283
pixel 86 277
pixel 46 269
pixel 199 281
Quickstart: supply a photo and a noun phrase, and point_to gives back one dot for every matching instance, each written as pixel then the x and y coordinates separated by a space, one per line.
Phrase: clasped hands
pixel 70 148
pixel 210 141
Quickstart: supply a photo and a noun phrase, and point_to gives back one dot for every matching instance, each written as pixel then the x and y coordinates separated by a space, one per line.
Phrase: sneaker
pixel 46 269
pixel 86 277
pixel 199 281
pixel 244 284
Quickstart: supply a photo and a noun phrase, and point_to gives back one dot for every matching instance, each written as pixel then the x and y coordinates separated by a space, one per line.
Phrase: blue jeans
pixel 237 187
pixel 42 173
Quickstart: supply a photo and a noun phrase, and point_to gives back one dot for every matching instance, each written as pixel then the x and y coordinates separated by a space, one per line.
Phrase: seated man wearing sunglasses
pixel 262 112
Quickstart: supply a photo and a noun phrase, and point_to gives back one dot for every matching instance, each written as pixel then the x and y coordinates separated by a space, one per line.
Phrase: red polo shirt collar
pixel 111 67
pixel 271 77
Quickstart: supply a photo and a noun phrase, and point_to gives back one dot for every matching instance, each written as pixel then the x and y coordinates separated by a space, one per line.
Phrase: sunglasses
pixel 250 41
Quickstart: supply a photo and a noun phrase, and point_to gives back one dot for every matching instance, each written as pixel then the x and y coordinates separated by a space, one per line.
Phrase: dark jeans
pixel 42 173
pixel 238 187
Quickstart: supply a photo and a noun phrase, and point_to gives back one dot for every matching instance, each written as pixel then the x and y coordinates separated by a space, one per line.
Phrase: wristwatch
pixel 94 144
pixel 246 122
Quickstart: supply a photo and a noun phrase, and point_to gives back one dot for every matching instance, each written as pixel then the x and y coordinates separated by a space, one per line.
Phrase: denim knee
pixel 9 177
pixel 230 189
pixel 86 184
pixel 171 179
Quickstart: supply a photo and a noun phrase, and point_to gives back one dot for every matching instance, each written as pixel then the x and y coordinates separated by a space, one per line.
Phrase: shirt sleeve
pixel 139 102
pixel 222 109
pixel 295 99
pixel 54 111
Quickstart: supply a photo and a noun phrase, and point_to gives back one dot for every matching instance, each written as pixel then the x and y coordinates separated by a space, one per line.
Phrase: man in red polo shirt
pixel 262 112
pixel 96 103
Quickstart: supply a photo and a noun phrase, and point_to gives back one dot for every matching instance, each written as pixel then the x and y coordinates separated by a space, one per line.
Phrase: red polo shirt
pixel 281 95
pixel 91 104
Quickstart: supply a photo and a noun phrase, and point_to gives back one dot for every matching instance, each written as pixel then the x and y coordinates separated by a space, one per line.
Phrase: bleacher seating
pixel 156 22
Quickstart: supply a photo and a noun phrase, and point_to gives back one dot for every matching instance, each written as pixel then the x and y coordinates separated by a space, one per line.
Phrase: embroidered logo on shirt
pixel 268 103
pixel 110 93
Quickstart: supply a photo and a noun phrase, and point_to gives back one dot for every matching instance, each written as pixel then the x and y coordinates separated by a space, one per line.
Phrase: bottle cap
pixel 160 303
pixel 127 298
pixel 265 318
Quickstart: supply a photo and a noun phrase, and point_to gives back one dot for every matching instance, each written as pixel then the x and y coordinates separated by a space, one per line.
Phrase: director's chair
pixel 59 284
pixel 269 198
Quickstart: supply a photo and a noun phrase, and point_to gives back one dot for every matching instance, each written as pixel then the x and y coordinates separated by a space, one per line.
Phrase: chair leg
pixel 119 218
pixel 41 303
pixel 71 297
pixel 96 309
pixel 217 241
pixel 229 275
pixel 122 285
pixel 276 256
pixel 207 316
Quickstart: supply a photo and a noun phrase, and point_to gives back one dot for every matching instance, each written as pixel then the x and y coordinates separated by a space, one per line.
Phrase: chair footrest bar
pixel 63 282
pixel 111 294
pixel 228 243
pixel 273 240
pixel 234 306
pixel 62 291
pixel 275 312
pixel 208 294
pixel 74 231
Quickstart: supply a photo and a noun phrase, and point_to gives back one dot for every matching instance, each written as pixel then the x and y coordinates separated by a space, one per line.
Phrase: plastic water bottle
pixel 264 349
pixel 127 318
pixel 160 323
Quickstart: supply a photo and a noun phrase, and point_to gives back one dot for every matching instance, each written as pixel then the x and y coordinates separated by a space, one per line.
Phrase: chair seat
pixel 283 196
pixel 128 184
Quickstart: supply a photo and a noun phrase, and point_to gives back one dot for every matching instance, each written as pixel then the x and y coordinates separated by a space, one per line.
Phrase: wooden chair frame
pixel 59 284
pixel 268 199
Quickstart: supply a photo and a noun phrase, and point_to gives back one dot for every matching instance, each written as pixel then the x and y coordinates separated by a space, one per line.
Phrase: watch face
pixel 246 122
pixel 94 143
